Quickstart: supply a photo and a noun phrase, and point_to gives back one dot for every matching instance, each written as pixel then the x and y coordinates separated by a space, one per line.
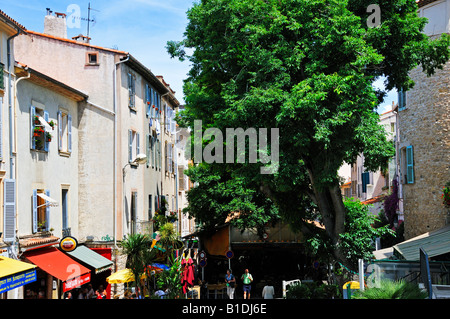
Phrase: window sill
pixel 64 153
pixel 39 151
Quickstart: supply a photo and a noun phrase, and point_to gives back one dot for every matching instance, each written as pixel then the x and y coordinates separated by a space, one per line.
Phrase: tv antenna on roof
pixel 89 18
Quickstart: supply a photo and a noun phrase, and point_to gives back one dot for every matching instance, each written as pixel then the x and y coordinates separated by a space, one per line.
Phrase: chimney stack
pixel 55 25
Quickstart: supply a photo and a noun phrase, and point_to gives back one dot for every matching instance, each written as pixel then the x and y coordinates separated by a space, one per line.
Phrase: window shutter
pixel 130 146
pixel 35 213
pixel 60 137
pixel 147 149
pixel 170 157
pixel 69 131
pixel 409 165
pixel 32 114
pixel 138 146
pixel 47 211
pixel 130 78
pixel 9 210
pixel 46 143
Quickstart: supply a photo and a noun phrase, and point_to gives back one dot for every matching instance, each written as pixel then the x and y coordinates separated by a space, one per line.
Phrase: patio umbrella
pixel 122 276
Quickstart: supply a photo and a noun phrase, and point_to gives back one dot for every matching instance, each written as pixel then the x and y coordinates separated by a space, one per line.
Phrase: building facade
pixel 424 141
pixel 9 30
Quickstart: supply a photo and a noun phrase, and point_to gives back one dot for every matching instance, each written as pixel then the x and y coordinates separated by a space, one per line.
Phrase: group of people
pixel 247 279
pixel 88 292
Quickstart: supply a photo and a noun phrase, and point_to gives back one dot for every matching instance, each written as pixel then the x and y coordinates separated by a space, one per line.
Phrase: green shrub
pixel 392 290
pixel 312 290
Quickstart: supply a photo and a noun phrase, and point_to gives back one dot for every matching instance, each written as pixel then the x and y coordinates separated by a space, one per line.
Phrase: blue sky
pixel 141 27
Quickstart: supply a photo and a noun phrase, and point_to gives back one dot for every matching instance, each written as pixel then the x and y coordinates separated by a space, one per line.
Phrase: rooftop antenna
pixel 89 18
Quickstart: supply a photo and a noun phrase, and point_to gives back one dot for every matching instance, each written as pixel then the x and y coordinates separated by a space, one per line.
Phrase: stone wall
pixel 425 124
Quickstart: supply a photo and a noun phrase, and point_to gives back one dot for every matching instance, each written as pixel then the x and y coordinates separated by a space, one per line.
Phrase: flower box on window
pixel 38 131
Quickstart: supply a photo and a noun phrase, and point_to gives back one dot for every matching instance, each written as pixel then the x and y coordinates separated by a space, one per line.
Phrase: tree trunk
pixel 332 209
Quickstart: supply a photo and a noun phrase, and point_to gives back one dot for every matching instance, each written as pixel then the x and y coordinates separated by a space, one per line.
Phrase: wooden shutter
pixel 409 165
pixel 35 212
pixel 9 210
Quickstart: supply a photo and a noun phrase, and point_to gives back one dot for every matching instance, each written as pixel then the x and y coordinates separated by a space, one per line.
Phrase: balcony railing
pixel 141 227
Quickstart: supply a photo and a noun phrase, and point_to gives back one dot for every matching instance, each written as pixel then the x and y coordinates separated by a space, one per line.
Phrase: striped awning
pixel 92 259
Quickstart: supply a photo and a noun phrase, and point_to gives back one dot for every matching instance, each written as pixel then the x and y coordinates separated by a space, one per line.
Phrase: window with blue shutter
pixel 365 178
pixel 69 133
pixel 409 164
pixel 401 100
pixel 46 141
pixel 32 126
pixel 9 210
pixel 60 128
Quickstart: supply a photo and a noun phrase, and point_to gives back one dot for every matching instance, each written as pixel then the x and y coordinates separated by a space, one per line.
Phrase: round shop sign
pixel 68 243
pixel 202 255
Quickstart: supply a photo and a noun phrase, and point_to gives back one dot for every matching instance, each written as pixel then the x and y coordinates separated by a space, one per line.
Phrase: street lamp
pixel 140 159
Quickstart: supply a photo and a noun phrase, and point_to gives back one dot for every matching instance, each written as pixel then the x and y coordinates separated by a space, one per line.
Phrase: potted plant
pixel 36 120
pixel 38 131
pixel 41 226
pixel 48 136
pixel 52 124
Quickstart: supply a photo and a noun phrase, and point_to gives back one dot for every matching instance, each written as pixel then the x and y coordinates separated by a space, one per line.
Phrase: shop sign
pixel 76 282
pixel 17 280
pixel 68 243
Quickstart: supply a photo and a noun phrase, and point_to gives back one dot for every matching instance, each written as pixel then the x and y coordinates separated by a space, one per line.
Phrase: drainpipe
pixel 8 42
pixel 11 175
pixel 115 151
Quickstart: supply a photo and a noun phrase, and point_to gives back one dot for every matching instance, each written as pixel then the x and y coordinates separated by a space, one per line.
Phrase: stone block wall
pixel 425 124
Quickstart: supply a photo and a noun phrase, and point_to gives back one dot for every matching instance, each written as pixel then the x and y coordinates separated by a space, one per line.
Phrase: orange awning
pixel 61 266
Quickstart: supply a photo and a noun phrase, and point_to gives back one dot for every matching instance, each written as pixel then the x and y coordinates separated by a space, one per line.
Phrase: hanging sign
pixel 68 243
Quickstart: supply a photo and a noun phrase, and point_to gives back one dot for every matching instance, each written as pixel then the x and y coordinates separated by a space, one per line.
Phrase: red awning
pixel 61 266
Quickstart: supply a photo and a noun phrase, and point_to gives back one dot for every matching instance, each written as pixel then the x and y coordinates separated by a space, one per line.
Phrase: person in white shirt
pixel 268 292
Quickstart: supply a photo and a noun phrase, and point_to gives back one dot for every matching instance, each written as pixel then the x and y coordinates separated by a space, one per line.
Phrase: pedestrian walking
pixel 231 284
pixel 100 293
pixel 268 291
pixel 91 292
pixel 247 281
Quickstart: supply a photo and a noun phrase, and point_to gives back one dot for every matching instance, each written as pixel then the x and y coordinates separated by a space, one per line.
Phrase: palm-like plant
pixel 169 238
pixel 137 247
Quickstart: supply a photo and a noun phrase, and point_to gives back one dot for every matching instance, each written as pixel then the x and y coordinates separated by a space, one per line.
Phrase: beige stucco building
pixel 129 112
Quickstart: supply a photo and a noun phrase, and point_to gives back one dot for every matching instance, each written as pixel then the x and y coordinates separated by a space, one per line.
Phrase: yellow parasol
pixel 122 276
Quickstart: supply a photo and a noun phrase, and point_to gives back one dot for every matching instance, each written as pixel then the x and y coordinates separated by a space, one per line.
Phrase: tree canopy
pixel 306 67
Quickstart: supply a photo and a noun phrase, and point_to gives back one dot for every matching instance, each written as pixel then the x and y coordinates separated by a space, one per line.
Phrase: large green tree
pixel 306 67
